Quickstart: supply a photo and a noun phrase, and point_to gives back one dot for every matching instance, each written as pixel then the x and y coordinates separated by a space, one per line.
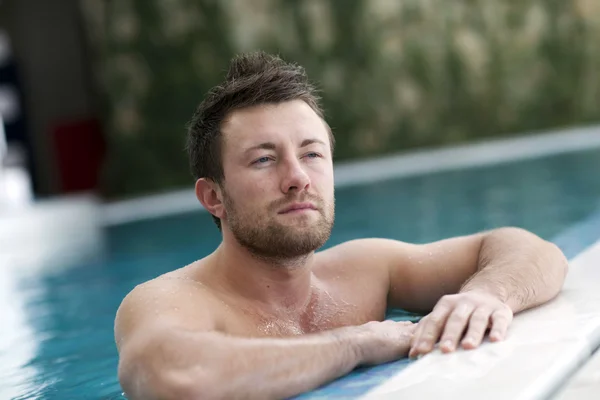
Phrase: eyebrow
pixel 307 142
pixel 265 146
pixel 272 146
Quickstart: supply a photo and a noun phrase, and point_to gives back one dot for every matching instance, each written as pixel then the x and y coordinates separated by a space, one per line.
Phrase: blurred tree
pixel 394 74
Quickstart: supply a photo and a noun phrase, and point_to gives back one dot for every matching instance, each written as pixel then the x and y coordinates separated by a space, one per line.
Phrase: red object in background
pixel 79 153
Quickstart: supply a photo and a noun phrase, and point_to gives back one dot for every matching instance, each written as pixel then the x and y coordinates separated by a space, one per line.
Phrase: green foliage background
pixel 394 74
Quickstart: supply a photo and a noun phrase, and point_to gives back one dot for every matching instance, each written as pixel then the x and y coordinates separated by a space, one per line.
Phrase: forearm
pixel 520 268
pixel 225 367
pixel 279 368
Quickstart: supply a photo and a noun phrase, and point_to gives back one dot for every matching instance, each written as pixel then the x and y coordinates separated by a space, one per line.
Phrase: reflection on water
pixel 60 296
pixel 36 243
pixel 18 344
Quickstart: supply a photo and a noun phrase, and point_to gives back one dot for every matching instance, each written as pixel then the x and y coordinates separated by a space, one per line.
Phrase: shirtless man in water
pixel 265 316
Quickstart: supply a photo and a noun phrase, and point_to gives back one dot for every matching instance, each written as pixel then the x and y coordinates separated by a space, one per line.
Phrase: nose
pixel 295 178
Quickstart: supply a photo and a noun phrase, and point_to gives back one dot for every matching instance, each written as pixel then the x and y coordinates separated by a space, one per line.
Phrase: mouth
pixel 298 207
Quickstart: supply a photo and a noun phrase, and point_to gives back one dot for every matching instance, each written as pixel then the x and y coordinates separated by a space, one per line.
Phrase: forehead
pixel 291 120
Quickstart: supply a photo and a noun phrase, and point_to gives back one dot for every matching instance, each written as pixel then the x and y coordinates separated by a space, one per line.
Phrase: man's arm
pixel 519 268
pixel 470 282
pixel 516 270
pixel 170 348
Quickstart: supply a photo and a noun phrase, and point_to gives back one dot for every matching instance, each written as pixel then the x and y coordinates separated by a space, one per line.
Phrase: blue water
pixel 71 311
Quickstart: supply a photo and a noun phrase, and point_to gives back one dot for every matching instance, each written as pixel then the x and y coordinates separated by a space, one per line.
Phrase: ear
pixel 209 194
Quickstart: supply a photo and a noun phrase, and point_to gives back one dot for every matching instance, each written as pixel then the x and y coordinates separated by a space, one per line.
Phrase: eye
pixel 312 155
pixel 262 160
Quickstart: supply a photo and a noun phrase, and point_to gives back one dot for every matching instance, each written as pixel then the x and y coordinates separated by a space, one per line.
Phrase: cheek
pixel 250 189
pixel 258 188
pixel 322 180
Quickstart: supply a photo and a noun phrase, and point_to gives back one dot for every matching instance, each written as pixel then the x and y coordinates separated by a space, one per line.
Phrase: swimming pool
pixel 68 312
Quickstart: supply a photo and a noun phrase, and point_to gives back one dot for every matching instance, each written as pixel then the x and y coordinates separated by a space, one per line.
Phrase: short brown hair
pixel 253 79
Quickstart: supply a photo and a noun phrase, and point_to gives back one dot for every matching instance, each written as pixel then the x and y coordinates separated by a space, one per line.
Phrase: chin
pixel 302 225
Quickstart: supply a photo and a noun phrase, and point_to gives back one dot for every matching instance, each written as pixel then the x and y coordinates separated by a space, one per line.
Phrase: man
pixel 265 316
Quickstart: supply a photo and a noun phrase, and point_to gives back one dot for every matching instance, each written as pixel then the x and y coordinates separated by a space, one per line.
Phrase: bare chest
pixel 325 311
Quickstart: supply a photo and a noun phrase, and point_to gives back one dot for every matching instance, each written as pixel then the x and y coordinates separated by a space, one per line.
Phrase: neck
pixel 273 283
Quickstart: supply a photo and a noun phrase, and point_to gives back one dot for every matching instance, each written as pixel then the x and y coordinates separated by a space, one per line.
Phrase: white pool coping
pixel 545 347
pixel 528 146
pixel 585 384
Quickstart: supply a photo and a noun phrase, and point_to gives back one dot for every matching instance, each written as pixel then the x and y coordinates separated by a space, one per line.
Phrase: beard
pixel 266 238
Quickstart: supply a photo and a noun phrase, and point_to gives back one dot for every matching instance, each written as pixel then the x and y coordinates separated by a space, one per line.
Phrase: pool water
pixel 69 312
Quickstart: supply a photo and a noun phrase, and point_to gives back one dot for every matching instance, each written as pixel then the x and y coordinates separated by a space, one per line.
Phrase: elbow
pixel 550 252
pixel 562 263
pixel 187 385
pixel 151 381
pixel 553 268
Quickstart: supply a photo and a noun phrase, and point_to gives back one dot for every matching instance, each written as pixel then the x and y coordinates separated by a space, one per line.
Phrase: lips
pixel 297 207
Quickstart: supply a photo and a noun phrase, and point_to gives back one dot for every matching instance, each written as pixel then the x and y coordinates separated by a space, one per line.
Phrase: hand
pixel 471 313
pixel 385 341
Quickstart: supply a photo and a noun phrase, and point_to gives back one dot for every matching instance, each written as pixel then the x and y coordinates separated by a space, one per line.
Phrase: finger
pixel 430 332
pixel 419 328
pixel 501 319
pixel 415 339
pixel 422 325
pixel 455 327
pixel 478 324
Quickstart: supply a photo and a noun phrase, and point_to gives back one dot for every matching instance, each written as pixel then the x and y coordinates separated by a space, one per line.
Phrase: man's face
pixel 278 191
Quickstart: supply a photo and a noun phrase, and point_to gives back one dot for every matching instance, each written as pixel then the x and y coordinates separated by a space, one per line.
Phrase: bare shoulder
pixel 369 257
pixel 368 253
pixel 165 302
